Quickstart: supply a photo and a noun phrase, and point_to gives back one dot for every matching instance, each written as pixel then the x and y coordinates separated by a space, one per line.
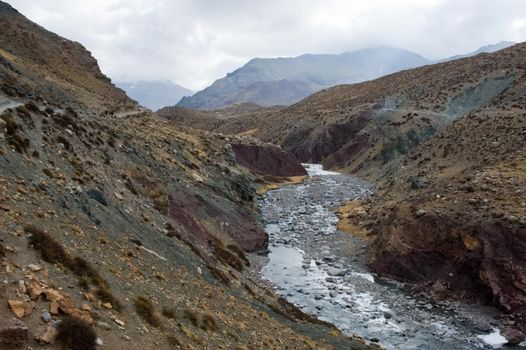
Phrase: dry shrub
pixel 13 137
pixel 76 334
pixel 50 250
pixel 169 312
pixel 146 310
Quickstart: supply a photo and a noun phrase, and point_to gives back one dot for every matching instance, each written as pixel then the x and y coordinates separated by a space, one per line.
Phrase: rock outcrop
pixel 267 160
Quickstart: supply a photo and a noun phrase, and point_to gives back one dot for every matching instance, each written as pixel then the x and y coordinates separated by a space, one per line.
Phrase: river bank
pixel 323 271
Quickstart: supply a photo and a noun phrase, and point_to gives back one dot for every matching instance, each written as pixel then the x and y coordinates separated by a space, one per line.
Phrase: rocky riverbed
pixel 324 272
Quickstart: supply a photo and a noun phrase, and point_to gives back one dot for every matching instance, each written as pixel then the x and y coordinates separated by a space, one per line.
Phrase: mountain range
pixel 284 81
pixel 154 94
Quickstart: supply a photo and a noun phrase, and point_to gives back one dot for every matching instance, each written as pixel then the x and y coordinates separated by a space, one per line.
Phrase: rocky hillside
pixel 446 144
pixel 284 81
pixel 451 214
pixel 37 62
pixel 119 228
pixel 362 127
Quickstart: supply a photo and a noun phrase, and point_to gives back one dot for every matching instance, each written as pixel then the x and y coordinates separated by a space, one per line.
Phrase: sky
pixel 194 42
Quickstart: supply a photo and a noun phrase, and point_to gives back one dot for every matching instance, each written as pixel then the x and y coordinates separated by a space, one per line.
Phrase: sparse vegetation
pixel 204 321
pixel 13 137
pixel 173 340
pixel 50 250
pixel 76 334
pixel 169 312
pixel 53 252
pixel 145 309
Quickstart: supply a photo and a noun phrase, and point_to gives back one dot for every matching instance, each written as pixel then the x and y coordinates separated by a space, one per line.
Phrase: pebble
pixel 46 316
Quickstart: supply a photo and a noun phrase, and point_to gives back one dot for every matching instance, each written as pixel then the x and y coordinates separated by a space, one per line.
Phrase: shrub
pixel 50 250
pixel 191 316
pixel 173 340
pixel 146 310
pixel 76 334
pixel 13 137
pixel 105 295
pixel 208 323
pixel 169 312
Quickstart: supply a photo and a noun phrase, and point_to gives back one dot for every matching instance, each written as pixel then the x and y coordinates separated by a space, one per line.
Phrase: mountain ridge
pixel 287 80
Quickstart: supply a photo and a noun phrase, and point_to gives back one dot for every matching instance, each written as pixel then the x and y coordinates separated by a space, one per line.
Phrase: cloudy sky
pixel 194 42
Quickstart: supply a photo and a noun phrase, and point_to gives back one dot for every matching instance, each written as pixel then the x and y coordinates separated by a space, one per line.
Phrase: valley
pixel 386 212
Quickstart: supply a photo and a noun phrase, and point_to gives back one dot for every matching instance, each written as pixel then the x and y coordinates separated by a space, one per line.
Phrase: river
pixel 324 272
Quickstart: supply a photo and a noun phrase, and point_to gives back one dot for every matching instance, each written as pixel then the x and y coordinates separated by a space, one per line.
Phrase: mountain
pixel 445 144
pixel 121 228
pixel 154 94
pixel 484 49
pixel 283 81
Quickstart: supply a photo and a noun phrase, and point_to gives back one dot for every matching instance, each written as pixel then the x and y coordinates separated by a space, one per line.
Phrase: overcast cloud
pixel 194 42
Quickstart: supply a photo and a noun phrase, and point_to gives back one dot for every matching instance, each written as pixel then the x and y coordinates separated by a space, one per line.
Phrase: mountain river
pixel 323 271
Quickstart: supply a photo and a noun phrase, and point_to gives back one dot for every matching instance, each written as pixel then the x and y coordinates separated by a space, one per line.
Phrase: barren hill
pixel 120 228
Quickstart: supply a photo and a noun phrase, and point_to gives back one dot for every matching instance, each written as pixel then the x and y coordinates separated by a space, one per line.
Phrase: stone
pixel 118 196
pixel 18 307
pixel 197 177
pixel 14 334
pixel 334 271
pixel 103 325
pixel 482 326
pixel 34 267
pixel 98 196
pixel 53 294
pixel 49 335
pixel 34 289
pixel 53 308
pixel 420 212
pixel 46 316
pixel 99 342
pixel 119 322
pixel 22 287
pixel 513 336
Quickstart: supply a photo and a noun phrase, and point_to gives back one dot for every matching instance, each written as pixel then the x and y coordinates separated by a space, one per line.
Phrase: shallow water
pixel 323 271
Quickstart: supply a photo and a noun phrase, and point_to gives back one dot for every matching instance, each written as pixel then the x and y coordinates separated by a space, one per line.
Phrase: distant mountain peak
pixel 154 94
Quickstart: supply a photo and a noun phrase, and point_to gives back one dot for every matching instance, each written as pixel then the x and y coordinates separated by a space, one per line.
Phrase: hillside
pixel 284 81
pixel 154 94
pixel 445 145
pixel 361 127
pixel 120 228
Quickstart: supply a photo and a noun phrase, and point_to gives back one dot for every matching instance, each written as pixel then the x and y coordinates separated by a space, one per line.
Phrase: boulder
pixel 14 334
pixel 334 271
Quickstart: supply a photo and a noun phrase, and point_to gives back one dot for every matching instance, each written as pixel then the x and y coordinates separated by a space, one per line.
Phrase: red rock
pixel 268 160
pixel 18 307
pixel 49 335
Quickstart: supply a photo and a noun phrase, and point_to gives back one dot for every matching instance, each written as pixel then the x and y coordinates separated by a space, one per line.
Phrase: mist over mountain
pixel 154 94
pixel 484 49
pixel 285 81
pixel 300 76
